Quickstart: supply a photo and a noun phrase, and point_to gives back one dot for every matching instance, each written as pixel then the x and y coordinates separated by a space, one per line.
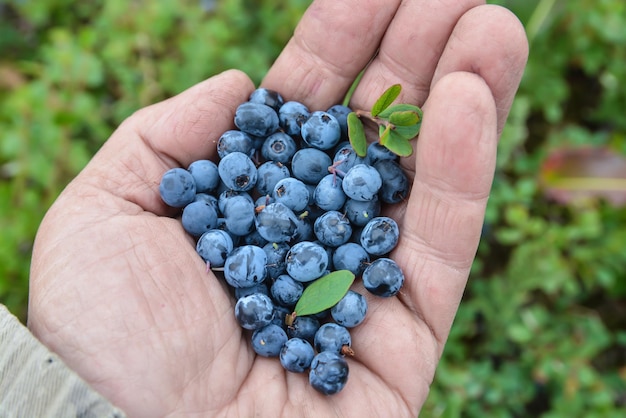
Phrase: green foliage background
pixel 541 330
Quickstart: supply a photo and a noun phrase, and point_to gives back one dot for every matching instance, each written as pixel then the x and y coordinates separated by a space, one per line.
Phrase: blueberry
pixel 280 314
pixel 279 147
pixel 205 175
pixel 291 192
pixel 306 261
pixel 292 116
pixel 286 291
pixel 269 340
pixel 310 165
pixel 328 194
pixel 321 130
pixel 256 119
pixel 268 174
pixel 253 238
pixel 304 229
pixel 267 97
pixel 332 228
pixel 350 310
pixel 341 112
pixel 239 215
pixel 361 182
pixel 237 171
pixel 245 266
pixel 345 158
pixel 228 195
pixel 304 327
pixel 198 217
pixel 377 152
pixel 276 223
pixel 276 253
pixel 383 277
pixel 332 337
pixel 296 355
pixel 207 198
pixel 361 212
pixel 254 311
pixel 329 373
pixel 256 288
pixel 214 246
pixel 380 235
pixel 395 186
pixel 352 257
pixel 235 141
pixel 177 187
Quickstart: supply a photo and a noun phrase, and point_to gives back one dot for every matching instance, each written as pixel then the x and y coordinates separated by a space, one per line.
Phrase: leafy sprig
pixel 397 124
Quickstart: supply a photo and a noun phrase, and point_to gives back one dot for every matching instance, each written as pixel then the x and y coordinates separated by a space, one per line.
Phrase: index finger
pixel 328 50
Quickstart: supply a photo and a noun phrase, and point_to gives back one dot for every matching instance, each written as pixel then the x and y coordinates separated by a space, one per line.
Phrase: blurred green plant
pixel 541 331
pixel 71 72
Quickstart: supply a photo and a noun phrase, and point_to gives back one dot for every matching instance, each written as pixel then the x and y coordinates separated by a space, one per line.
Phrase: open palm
pixel 119 293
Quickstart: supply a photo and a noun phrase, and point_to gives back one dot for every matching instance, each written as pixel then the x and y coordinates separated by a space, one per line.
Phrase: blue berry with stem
pixel 328 373
pixel 380 235
pixel 276 223
pixel 332 228
pixel 334 338
pixel 361 212
pixel 291 192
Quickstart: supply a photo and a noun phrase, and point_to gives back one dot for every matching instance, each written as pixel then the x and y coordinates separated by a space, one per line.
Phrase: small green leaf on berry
pixel 385 100
pixel 324 293
pixel 356 133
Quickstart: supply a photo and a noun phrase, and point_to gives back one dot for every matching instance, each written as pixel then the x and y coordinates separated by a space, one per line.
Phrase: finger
pixel 172 133
pixel 328 50
pixel 410 50
pixel 455 160
pixel 489 41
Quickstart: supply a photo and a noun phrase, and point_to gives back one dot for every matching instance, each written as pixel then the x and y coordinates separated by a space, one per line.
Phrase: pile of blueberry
pixel 288 202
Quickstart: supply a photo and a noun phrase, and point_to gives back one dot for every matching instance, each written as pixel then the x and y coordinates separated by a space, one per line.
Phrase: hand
pixel 119 293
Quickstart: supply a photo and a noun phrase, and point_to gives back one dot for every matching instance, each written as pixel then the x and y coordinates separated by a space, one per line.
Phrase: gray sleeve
pixel 34 382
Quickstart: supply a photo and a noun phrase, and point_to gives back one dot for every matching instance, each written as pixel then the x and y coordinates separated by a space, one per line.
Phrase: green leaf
pixel 385 114
pixel 396 143
pixel 404 118
pixel 386 99
pixel 408 132
pixel 356 133
pixel 324 293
